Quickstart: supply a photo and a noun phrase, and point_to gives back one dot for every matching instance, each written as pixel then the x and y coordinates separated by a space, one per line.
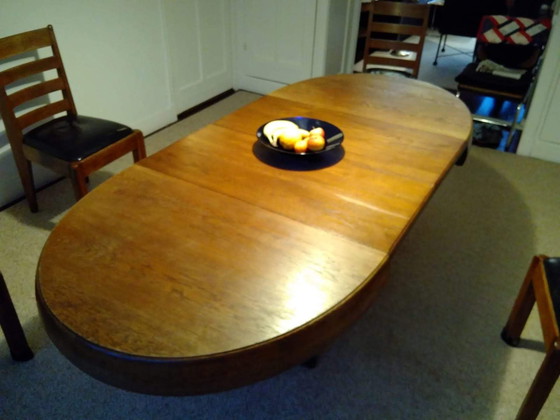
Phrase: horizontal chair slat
pixel 28 69
pixel 396 28
pixel 22 43
pixel 387 61
pixel 400 9
pixel 382 44
pixel 35 91
pixel 46 111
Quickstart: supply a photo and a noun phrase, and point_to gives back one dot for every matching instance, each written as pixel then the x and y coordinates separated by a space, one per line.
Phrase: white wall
pixel 275 46
pixel 541 135
pixel 335 36
pixel 115 56
pixel 198 35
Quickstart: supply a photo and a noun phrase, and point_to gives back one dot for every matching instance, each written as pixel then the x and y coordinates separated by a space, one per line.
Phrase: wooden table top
pixel 217 262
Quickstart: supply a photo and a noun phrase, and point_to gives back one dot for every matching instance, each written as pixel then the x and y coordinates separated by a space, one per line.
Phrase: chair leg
pixel 140 152
pixel 514 125
pixel 11 326
pixel 542 384
pixel 437 51
pixel 521 308
pixel 79 171
pixel 26 175
pixel 79 182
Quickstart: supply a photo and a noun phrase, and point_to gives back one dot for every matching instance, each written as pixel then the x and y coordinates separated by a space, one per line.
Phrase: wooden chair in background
pixel 515 49
pixel 541 285
pixel 72 145
pixel 11 326
pixel 395 37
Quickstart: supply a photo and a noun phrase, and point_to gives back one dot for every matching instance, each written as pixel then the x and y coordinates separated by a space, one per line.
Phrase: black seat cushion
pixel 72 138
pixel 552 271
pixel 513 56
pixel 470 77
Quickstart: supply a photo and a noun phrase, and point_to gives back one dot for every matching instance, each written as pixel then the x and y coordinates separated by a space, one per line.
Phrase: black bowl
pixel 333 135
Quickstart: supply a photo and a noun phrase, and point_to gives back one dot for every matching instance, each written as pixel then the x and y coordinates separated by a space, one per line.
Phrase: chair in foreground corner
pixel 72 145
pixel 9 321
pixel 541 285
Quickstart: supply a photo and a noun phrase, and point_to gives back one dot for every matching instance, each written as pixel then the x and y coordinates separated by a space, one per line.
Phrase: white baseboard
pixel 256 85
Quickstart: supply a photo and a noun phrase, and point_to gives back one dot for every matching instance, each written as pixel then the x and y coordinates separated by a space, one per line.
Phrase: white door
pixel 541 135
pixel 198 34
pixel 274 42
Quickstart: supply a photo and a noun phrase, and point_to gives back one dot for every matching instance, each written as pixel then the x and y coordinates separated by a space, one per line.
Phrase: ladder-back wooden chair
pixel 41 121
pixel 541 285
pixel 395 37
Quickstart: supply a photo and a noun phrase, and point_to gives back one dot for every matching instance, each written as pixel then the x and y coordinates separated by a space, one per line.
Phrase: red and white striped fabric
pixel 499 29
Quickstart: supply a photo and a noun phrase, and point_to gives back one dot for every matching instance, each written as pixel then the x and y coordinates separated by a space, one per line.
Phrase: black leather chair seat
pixel 470 77
pixel 552 271
pixel 75 138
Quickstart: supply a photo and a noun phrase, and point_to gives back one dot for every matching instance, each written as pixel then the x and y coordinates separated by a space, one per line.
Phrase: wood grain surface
pixel 214 263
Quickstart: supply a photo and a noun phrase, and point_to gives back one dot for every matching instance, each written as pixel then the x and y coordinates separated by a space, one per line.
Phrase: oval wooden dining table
pixel 217 262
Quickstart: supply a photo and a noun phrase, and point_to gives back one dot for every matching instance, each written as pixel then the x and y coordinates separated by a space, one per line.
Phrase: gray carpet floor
pixel 428 348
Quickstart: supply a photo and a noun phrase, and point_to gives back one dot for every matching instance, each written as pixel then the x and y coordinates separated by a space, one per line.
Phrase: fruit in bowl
pixel 288 136
pixel 301 146
pixel 316 142
pixel 273 129
pixel 319 131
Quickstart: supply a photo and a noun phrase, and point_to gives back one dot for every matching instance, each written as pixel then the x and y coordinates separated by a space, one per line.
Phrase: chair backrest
pixel 501 29
pixel 515 42
pixel 395 26
pixel 33 87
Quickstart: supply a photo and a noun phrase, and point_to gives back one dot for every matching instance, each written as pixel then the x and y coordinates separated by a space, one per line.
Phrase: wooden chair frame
pixel 78 171
pixel 11 326
pixel 403 11
pixel 521 100
pixel 535 288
